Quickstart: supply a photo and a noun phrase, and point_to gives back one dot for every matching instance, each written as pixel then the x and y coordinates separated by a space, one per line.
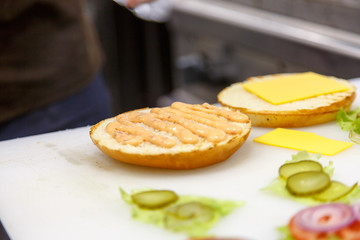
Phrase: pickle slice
pixel 186 214
pixel 154 199
pixel 288 169
pixel 307 183
pixel 334 192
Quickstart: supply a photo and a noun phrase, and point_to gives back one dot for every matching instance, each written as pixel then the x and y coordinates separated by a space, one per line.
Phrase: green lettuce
pixel 350 121
pixel 285 234
pixel 278 185
pixel 157 217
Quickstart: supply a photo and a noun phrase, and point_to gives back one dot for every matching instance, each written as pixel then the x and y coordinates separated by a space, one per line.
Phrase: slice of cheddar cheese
pixel 300 140
pixel 288 88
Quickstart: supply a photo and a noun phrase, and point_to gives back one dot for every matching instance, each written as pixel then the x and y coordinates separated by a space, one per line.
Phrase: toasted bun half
pixel 196 151
pixel 301 113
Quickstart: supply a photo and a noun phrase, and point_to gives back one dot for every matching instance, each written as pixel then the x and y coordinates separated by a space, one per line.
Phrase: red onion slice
pixel 356 209
pixel 325 217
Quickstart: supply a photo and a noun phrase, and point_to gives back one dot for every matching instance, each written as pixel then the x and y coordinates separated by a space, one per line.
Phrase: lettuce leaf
pixel 285 234
pixel 277 186
pixel 350 121
pixel 157 217
pixel 304 155
pixel 346 119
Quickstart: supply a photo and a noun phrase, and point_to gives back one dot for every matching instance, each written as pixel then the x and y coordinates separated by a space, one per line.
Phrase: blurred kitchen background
pixel 209 44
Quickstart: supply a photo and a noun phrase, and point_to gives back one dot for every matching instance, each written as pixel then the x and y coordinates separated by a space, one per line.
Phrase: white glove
pixel 156 11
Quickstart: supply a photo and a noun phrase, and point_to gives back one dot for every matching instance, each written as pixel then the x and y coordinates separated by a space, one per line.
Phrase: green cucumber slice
pixel 288 169
pixel 307 183
pixel 182 215
pixel 154 199
pixel 334 192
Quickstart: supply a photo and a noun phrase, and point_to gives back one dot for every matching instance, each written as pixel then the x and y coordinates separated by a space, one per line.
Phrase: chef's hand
pixel 150 10
pixel 134 3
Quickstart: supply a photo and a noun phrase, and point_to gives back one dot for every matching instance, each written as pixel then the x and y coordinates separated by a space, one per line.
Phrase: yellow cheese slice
pixel 300 140
pixel 288 88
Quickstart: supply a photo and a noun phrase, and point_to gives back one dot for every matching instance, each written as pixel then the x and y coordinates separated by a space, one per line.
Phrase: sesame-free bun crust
pixel 182 156
pixel 301 113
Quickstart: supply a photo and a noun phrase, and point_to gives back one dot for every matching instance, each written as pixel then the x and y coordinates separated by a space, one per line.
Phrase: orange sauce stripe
pixel 133 129
pixel 184 121
pixel 230 115
pixel 211 134
pixel 184 135
pixel 206 118
pixel 123 138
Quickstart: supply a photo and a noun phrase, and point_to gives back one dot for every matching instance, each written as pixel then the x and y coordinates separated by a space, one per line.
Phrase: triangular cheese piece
pixel 288 88
pixel 300 140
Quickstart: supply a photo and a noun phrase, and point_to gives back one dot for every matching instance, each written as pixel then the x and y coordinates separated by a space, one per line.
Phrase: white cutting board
pixel 60 186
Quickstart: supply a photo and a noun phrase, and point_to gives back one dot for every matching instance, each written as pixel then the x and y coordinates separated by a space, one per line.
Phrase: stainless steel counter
pixel 341 14
pixel 321 36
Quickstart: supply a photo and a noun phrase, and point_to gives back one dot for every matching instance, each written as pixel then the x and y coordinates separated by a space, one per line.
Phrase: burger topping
pixel 334 192
pixel 184 121
pixel 135 131
pixel 211 134
pixel 307 183
pixel 207 119
pixel 207 108
pixel 288 169
pixel 325 218
pixel 154 199
pixel 149 119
